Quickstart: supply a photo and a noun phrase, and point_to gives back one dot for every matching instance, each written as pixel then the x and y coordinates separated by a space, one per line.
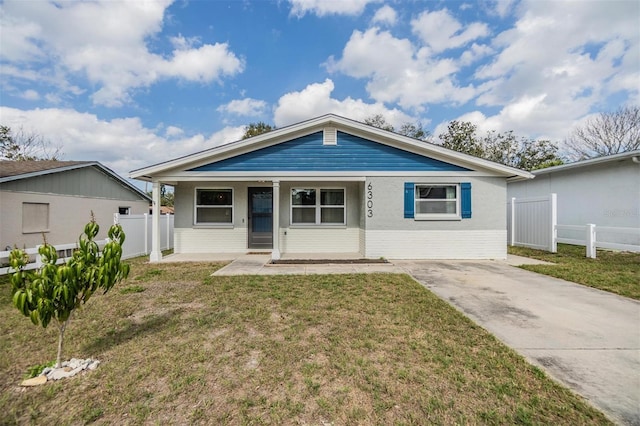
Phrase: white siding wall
pixel 448 244
pixel 216 240
pixel 320 240
pixel 67 217
pixel 607 195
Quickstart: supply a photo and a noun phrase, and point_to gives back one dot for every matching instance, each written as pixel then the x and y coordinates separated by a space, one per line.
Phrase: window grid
pixel 437 201
pixel 213 206
pixel 319 201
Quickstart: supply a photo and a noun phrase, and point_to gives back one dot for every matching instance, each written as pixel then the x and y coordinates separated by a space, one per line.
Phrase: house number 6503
pixel 369 200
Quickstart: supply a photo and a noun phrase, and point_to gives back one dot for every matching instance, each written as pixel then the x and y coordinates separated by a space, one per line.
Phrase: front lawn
pixel 617 272
pixel 181 347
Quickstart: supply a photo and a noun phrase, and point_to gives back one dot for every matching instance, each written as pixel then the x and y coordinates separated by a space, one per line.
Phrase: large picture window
pixel 437 201
pixel 214 206
pixel 317 206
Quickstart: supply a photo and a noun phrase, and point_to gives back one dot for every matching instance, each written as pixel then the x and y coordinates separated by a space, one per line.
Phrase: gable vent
pixel 330 136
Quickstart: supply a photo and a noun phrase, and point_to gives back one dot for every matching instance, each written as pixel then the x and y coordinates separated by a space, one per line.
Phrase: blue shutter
pixel 465 202
pixel 409 200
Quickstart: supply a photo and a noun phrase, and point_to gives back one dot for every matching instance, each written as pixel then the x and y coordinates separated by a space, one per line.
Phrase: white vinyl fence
pixel 137 230
pixel 532 222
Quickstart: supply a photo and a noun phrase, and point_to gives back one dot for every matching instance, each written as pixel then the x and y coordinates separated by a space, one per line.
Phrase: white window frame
pixel 196 206
pixel 318 206
pixel 126 208
pixel 436 216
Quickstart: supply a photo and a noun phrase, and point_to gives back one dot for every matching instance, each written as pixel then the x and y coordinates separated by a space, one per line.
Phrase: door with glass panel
pixel 260 218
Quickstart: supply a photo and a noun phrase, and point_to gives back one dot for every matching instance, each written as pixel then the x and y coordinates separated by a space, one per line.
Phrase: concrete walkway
pixel 587 339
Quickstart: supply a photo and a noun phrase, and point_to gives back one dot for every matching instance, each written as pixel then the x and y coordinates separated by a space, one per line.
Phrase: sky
pixel 134 83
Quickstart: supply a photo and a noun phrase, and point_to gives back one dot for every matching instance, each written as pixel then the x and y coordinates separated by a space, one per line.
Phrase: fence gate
pixel 531 222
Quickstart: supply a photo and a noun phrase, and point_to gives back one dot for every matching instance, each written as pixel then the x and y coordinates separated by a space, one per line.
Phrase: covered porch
pixel 301 217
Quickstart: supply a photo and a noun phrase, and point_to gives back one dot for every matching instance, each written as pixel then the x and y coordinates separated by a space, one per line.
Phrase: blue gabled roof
pixel 307 153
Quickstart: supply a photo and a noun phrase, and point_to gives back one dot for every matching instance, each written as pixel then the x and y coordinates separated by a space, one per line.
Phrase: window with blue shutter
pixel 409 200
pixel 437 201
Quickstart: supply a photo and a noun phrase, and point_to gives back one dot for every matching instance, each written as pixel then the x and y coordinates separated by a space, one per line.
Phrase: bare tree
pixel 23 145
pixel 605 134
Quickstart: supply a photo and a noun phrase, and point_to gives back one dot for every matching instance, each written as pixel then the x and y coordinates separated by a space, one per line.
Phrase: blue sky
pixel 133 83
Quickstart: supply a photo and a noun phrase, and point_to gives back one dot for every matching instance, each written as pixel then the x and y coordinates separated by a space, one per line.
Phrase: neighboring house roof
pixel 630 155
pixel 228 151
pixel 18 170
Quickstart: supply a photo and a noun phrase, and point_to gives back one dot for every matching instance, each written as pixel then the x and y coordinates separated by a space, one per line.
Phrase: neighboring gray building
pixel 55 198
pixel 333 185
pixel 604 191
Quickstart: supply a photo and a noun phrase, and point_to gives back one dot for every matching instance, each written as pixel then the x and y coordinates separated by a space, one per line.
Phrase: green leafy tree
pixel 505 148
pixel 54 291
pixel 412 130
pixel 379 121
pixel 22 145
pixel 167 198
pixel 255 129
pixel 415 130
pixel 461 136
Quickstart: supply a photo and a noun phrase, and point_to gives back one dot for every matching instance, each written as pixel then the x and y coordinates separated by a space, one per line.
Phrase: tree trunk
pixel 62 326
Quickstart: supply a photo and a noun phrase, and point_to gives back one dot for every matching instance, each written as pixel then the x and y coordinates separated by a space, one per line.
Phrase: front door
pixel 260 218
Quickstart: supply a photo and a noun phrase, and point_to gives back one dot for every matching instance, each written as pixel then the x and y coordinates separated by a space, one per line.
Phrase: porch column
pixel 275 254
pixel 156 254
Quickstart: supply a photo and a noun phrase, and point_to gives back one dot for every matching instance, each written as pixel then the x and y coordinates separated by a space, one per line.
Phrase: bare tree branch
pixel 606 134
pixel 23 145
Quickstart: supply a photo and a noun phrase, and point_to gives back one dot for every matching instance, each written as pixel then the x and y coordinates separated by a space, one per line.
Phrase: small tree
pixel 255 129
pixel 55 291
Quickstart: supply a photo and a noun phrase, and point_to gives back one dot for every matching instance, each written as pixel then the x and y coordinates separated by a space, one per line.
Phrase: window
pixel 214 206
pixel 124 210
pixel 317 206
pixel 35 217
pixel 437 201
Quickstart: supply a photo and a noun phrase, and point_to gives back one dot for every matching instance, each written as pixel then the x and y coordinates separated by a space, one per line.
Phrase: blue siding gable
pixel 307 153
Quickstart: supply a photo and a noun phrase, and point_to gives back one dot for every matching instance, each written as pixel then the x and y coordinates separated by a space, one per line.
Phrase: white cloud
pixel 559 62
pixel 398 72
pixel 502 7
pixel 30 95
pixel 300 8
pixel 122 144
pixel 63 39
pixel 244 107
pixel 386 15
pixel 441 31
pixel 315 100
pixel 173 131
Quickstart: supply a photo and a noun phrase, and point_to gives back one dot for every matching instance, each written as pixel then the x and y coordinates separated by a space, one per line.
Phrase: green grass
pixel 616 272
pixel 340 349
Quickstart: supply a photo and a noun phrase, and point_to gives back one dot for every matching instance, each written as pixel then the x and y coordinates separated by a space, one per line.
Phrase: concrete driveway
pixel 587 339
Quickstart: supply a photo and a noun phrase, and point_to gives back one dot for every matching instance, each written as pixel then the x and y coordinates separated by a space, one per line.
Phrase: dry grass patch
pixel 341 349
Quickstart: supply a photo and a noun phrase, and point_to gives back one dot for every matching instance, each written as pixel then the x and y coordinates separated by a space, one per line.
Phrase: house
pixel 604 191
pixel 333 185
pixel 55 198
